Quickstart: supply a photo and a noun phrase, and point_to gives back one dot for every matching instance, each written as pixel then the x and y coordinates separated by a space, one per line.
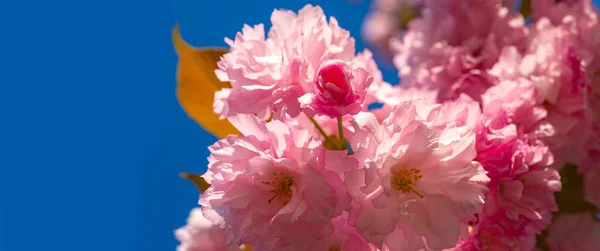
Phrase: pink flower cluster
pixel 201 235
pixel 546 74
pixel 463 155
pixel 305 63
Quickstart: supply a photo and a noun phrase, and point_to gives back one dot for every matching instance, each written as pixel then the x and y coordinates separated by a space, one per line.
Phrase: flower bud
pixel 339 89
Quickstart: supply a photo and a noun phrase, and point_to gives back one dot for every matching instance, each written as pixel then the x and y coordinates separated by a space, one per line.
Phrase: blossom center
pixel 335 248
pixel 281 187
pixel 404 180
pixel 333 82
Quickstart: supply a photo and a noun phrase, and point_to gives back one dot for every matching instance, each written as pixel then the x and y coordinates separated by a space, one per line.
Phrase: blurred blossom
pixel 386 19
pixel 577 231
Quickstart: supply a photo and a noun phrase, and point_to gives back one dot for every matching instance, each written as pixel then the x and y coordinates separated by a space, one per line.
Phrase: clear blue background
pixel 92 137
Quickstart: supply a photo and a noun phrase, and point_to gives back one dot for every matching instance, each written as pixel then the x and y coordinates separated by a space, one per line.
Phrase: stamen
pixel 281 187
pixel 404 180
pixel 272 198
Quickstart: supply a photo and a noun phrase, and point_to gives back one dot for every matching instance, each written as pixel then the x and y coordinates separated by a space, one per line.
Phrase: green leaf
pixel 571 198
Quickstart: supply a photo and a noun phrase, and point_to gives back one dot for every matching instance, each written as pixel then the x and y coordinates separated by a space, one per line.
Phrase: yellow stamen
pixel 281 187
pixel 404 180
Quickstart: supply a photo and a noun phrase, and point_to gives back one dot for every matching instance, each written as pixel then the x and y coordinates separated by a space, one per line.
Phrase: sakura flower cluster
pixel 305 63
pixel 464 154
pixel 537 85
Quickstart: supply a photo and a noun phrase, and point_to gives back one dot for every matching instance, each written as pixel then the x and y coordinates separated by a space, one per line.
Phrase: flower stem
pixel 320 130
pixel 341 133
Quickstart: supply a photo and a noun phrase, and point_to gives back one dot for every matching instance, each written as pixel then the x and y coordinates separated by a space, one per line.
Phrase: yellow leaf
pixel 198 181
pixel 407 13
pixel 197 84
pixel 526 9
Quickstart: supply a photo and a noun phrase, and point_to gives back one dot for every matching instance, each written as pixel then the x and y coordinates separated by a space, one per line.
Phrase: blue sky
pixel 92 137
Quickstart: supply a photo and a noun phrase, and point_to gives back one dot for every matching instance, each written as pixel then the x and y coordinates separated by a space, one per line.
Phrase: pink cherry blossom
pixel 570 139
pixel 514 100
pixel 559 62
pixel 343 237
pixel 520 199
pixel 410 171
pixel 556 11
pixel 340 89
pixel 453 44
pixel 571 232
pixel 400 93
pixel 515 212
pixel 378 89
pixel 491 235
pixel 269 74
pixel 464 111
pixel 552 64
pixel 201 235
pixel 272 183
pixel 394 95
